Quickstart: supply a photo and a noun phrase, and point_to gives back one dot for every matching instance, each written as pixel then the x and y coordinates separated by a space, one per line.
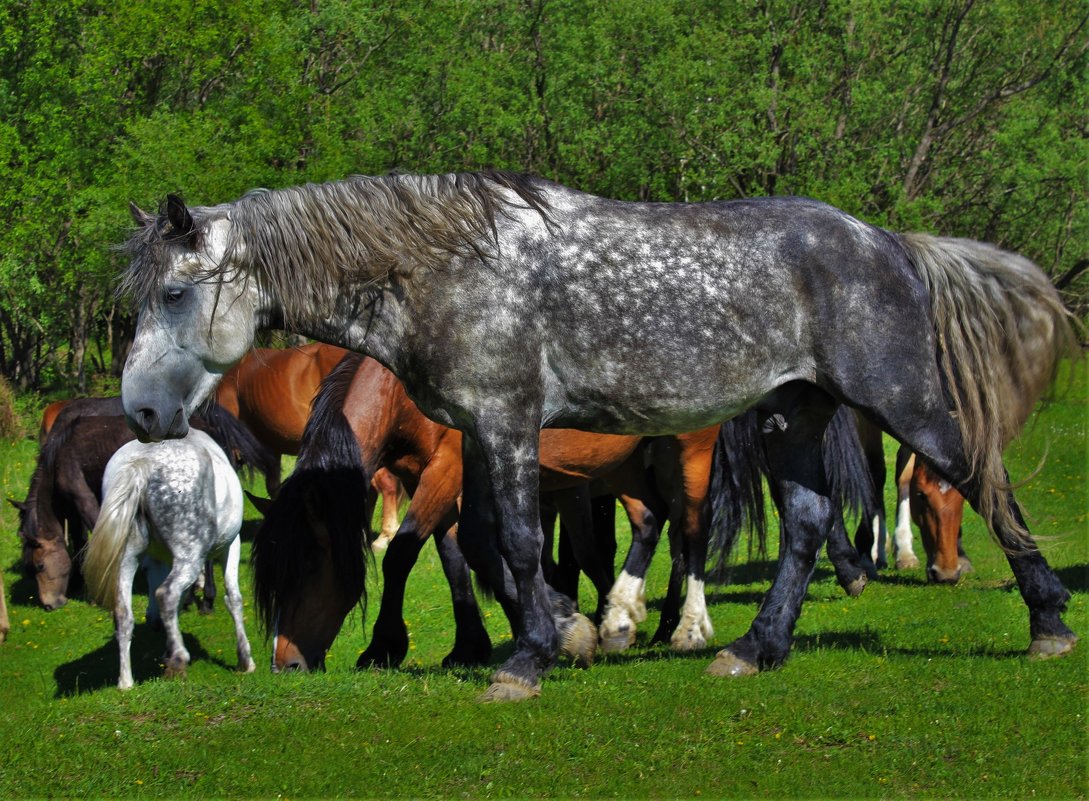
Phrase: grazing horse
pixel 179 502
pixel 270 391
pixel 363 402
pixel 62 502
pixel 506 303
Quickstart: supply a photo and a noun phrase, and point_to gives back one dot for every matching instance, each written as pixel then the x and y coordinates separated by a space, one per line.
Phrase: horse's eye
pixel 171 297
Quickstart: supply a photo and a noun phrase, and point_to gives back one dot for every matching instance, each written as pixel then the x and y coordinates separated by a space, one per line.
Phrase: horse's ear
pixel 262 505
pixel 20 505
pixel 180 218
pixel 140 217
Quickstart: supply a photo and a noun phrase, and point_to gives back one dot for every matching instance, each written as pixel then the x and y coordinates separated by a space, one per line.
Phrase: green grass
pixel 909 690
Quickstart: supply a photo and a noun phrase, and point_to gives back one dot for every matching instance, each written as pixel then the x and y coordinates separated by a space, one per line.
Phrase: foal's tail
pixel 1002 331
pixel 116 523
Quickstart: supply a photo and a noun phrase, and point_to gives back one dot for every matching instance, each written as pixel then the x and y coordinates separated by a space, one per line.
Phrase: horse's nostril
pixel 146 418
pixel 295 666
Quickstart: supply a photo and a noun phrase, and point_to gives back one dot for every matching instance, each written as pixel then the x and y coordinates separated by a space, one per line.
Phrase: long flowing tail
pixel 115 524
pixel 737 490
pixel 321 505
pixel 1002 332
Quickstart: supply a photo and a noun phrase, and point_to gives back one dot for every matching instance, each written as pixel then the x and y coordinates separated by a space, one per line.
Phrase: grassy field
pixel 909 690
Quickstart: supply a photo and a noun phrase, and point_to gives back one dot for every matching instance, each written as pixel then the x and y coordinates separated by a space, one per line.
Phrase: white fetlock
pixel 695 628
pixel 625 609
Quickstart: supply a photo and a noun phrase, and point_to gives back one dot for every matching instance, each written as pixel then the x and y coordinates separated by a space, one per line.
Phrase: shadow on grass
pixel 869 641
pixel 1075 578
pixel 900 578
pixel 99 669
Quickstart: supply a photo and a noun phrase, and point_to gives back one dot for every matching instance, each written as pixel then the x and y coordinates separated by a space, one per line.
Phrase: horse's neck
pixel 365 321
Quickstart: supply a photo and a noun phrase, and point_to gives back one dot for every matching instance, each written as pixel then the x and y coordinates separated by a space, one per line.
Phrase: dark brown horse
pixel 62 503
pixel 307 610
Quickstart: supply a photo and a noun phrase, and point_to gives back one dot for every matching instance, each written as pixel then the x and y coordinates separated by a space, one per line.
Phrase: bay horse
pixel 506 303
pixel 270 390
pixel 179 502
pixel 363 404
pixel 62 501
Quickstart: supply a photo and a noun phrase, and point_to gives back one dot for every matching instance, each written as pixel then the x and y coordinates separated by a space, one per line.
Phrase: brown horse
pixel 307 525
pixel 938 510
pixel 270 391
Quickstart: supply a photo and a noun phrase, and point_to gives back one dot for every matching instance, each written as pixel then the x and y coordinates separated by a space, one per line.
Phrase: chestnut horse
pixel 362 404
pixel 270 391
pixel 306 609
pixel 922 497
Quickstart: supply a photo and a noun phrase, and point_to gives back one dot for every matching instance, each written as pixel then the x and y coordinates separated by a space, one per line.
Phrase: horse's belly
pixel 650 405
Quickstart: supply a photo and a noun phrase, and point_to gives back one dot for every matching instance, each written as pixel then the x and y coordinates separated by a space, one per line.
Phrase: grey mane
pixel 303 244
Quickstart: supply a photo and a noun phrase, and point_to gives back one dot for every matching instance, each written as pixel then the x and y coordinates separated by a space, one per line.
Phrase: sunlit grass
pixel 909 690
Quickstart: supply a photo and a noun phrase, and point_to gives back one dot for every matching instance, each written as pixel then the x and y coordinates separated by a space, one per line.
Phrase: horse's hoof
pixel 614 642
pixel 508 688
pixel 855 588
pixel 687 642
pixel 1052 647
pixel 380 544
pixel 578 639
pixel 907 562
pixel 247 667
pixel 729 665
pixel 174 672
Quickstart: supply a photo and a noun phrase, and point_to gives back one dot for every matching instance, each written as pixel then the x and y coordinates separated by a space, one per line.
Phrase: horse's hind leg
pixel 183 574
pixel 793 421
pixel 123 619
pixel 233 600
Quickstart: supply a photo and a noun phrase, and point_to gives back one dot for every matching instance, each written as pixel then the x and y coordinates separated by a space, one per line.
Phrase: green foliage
pixel 955 116
pixel 909 691
pixel 11 426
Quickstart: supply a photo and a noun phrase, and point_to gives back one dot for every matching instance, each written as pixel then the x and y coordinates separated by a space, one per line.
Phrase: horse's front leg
pixel 500 521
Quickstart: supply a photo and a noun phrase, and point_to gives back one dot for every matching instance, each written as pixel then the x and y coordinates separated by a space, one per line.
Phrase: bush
pixel 11 426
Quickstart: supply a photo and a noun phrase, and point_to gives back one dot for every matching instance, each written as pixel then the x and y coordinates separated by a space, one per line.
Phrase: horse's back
pixel 682 315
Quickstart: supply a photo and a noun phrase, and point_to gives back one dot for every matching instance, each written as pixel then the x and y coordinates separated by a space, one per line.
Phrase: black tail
pixel 321 506
pixel 737 482
pixel 846 467
pixel 737 490
pixel 241 447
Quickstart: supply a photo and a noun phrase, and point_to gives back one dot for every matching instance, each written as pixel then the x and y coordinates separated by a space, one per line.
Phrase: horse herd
pixel 88 462
pixel 713 347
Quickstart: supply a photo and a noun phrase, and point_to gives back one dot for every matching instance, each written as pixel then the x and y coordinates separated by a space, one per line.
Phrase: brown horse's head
pixel 309 564
pixel 45 557
pixel 938 509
